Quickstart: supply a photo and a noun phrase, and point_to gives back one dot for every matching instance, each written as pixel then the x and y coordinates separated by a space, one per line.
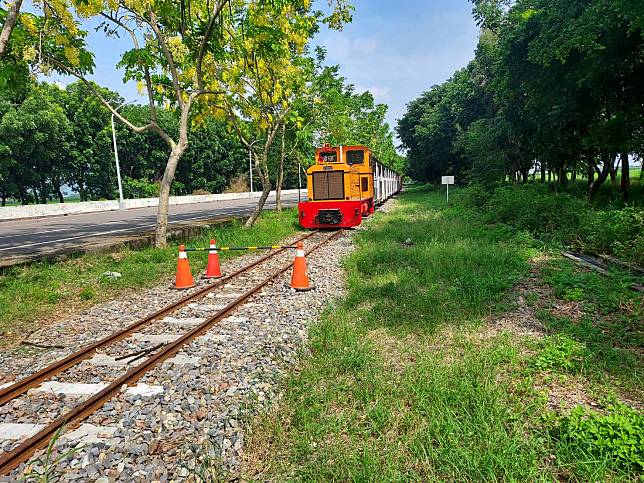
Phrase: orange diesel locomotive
pixel 344 185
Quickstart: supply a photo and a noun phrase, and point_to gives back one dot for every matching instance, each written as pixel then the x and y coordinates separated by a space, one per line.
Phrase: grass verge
pixel 433 369
pixel 32 295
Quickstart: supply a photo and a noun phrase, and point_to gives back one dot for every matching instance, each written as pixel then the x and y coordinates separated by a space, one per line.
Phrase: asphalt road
pixel 34 236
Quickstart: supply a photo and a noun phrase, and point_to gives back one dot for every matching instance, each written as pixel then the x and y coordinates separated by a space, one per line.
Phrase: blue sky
pixel 398 49
pixel 394 48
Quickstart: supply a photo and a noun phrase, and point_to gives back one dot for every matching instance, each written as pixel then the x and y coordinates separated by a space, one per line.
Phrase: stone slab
pixel 184 322
pixel 144 390
pixel 103 360
pixel 18 431
pixel 156 338
pixel 182 360
pixel 68 388
pixel 89 433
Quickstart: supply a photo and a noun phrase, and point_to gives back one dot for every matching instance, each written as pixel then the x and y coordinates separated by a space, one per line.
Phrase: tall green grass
pixel 384 396
pixel 405 381
pixel 610 228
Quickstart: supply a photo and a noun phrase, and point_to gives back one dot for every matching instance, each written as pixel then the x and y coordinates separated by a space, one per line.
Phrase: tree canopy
pixel 554 87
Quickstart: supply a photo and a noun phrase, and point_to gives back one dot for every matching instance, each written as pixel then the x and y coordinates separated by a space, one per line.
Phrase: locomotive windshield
pixel 355 157
pixel 329 157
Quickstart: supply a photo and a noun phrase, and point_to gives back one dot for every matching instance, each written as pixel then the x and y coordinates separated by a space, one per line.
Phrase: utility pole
pixel 116 159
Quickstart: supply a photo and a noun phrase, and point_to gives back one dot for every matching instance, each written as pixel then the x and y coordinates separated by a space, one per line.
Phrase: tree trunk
pixel 613 172
pixel 591 173
pixel 9 24
pixel 563 177
pixel 593 187
pixel 177 150
pixel 161 234
pixel 266 189
pixel 626 176
pixel 4 198
pixel 44 193
pixel 280 174
pixel 543 173
pixel 549 176
pixel 58 192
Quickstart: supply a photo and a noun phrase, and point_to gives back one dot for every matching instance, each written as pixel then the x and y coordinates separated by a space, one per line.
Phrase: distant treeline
pixel 56 138
pixel 53 139
pixel 555 89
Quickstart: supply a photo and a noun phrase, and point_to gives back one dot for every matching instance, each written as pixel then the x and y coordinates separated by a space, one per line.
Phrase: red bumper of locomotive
pixel 330 214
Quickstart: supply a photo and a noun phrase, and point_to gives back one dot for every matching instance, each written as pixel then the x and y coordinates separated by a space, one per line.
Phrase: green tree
pixel 35 136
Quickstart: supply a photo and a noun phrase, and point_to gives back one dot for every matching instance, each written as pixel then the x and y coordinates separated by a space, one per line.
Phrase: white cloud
pixel 382 94
pixel 397 50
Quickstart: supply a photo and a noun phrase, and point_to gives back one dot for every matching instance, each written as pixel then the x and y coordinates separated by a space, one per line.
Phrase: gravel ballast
pixel 190 411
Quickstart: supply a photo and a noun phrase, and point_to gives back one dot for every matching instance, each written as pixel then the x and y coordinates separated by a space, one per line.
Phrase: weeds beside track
pixel 442 363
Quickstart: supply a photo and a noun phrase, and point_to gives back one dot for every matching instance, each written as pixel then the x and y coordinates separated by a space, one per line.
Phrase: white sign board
pixel 448 180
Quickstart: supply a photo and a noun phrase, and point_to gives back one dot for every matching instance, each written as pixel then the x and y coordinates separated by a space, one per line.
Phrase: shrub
pixel 238 184
pixel 200 192
pixel 139 188
pixel 618 232
pixel 554 216
pixel 616 437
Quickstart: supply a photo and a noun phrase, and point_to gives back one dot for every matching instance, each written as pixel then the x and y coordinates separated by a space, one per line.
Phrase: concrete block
pixel 144 390
pixel 18 431
pixel 89 434
pixel 156 338
pixel 68 388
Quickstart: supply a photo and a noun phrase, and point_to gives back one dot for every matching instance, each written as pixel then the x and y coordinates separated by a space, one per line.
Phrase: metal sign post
pixel 448 180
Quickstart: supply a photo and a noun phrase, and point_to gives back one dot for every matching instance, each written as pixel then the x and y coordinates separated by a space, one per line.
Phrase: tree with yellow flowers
pixel 235 57
pixel 262 71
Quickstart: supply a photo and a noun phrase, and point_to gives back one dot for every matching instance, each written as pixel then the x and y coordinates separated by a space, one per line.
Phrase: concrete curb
pixel 11 213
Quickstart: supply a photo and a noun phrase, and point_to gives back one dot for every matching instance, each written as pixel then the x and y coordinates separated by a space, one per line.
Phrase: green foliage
pixel 555 216
pixel 616 438
pixel 620 232
pixel 563 217
pixel 560 353
pixel 139 188
pixel 553 87
pixel 385 394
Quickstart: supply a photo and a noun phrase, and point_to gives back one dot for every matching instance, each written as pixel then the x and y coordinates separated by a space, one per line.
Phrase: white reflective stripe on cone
pixel 183 255
pixel 299 253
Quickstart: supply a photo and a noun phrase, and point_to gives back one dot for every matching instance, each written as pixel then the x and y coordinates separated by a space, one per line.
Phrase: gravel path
pixel 187 413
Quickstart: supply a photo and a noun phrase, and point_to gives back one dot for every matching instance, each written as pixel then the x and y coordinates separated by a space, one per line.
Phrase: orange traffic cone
pixel 213 270
pixel 184 277
pixel 299 279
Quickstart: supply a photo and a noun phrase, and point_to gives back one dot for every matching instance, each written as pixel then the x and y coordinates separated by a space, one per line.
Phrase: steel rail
pixel 23 385
pixel 25 450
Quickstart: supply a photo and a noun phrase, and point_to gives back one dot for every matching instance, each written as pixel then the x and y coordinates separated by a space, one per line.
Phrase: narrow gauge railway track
pixel 23 385
pixel 25 450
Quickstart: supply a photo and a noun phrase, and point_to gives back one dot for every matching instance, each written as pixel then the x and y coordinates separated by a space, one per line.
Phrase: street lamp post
pixel 250 166
pixel 116 159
